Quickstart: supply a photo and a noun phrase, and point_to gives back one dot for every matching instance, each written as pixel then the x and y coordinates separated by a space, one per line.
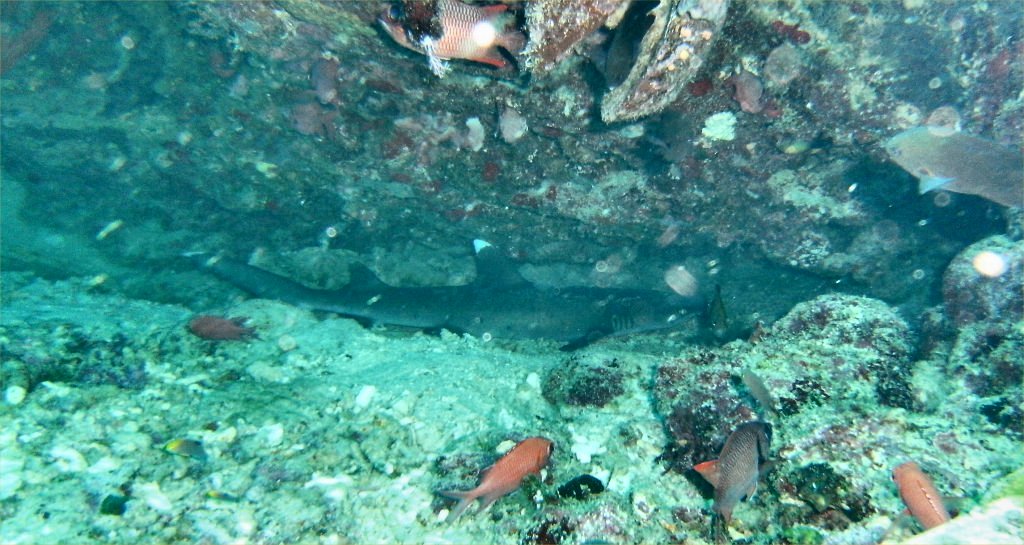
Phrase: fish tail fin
pixel 466 498
pixel 488 500
pixel 720 529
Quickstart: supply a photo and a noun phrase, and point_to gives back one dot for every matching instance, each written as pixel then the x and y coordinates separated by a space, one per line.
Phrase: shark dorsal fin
pixel 493 269
pixel 361 276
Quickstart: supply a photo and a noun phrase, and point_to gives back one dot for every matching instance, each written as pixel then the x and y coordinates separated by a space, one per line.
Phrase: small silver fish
pixel 759 390
pixel 734 474
pixel 960 163
pixel 717 317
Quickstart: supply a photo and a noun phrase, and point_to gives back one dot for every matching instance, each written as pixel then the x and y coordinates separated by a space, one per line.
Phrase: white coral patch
pixel 586 445
pixel 151 495
pixel 67 459
pixel 721 126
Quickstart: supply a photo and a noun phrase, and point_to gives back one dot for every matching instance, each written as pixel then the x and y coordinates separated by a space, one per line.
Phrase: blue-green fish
pixel 961 163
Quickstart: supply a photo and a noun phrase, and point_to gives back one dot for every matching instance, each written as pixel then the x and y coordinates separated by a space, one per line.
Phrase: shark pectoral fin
pixel 589 337
pixel 364 322
pixel 436 331
pixel 930 183
pixel 574 345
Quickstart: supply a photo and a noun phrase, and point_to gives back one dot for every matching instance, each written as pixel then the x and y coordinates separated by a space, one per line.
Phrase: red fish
pixel 454 31
pixel 528 457
pixel 734 474
pixel 215 328
pixel 920 496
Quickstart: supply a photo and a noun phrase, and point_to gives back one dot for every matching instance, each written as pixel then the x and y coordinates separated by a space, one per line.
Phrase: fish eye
pixel 395 11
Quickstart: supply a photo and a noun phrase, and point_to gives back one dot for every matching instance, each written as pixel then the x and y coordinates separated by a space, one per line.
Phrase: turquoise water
pixel 869 324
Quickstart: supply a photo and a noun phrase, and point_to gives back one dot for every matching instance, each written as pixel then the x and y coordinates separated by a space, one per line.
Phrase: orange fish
pixel 454 31
pixel 528 457
pixel 920 496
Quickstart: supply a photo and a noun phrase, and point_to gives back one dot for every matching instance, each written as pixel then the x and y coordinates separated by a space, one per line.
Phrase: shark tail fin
pixel 360 275
pixel 493 268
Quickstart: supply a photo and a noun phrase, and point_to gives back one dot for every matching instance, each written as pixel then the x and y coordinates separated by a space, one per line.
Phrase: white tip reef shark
pixel 500 303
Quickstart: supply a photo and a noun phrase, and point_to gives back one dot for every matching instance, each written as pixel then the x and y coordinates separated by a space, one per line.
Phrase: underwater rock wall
pixel 231 114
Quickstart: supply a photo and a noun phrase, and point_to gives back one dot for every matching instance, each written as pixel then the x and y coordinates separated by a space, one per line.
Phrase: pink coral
pixel 310 118
pixel 323 76
pixel 749 91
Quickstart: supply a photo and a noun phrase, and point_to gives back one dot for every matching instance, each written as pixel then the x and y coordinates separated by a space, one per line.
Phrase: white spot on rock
pixel 151 495
pixel 365 396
